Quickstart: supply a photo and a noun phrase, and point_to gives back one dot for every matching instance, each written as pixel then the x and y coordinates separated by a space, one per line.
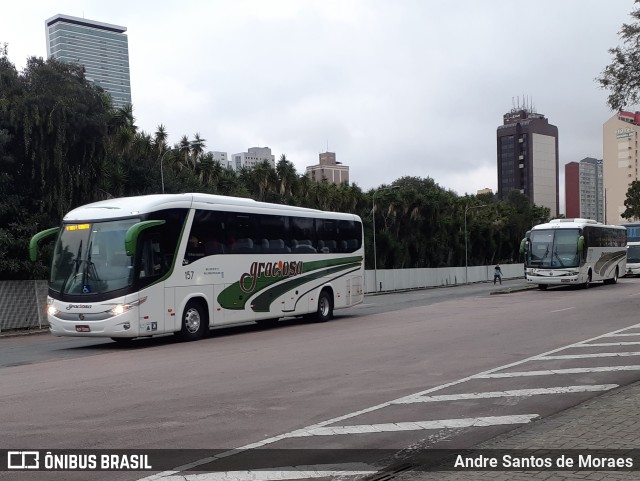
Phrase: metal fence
pixel 23 303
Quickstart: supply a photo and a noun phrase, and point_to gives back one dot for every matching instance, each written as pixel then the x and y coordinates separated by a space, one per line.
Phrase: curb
pixel 509 290
pixel 23 332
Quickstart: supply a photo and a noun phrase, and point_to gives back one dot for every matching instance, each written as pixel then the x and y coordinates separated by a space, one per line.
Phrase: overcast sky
pixel 394 87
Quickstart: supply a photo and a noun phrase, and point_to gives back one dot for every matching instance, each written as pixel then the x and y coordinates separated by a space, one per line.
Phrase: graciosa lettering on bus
pixel 269 270
pixel 269 261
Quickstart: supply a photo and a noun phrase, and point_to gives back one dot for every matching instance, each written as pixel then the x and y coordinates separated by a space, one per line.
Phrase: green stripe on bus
pixel 236 296
pixel 263 302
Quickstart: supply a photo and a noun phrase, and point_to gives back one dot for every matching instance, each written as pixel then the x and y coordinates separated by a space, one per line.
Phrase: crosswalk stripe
pixel 588 356
pixel 416 425
pixel 513 393
pixel 577 370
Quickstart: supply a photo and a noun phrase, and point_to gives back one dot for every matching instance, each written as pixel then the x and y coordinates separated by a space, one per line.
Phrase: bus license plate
pixel 83 328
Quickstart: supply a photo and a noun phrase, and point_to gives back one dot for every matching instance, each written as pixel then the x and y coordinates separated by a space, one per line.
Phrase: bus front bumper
pixel 123 325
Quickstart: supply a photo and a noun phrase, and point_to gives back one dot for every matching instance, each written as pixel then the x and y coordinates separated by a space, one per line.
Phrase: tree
pixel 622 76
pixel 632 202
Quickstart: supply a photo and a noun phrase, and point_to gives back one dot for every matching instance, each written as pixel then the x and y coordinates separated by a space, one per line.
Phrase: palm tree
pixel 184 147
pixel 287 176
pixel 197 148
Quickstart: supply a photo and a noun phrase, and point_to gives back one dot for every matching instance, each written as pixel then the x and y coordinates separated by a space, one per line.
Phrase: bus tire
pixel 324 312
pixel 195 321
pixel 542 287
pixel 614 279
pixel 586 284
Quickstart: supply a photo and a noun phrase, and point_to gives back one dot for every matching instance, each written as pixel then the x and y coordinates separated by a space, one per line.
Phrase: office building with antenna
pixel 328 168
pixel 527 156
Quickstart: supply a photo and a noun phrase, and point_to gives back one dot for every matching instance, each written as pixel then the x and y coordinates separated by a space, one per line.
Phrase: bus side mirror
pixel 131 237
pixel 580 244
pixel 33 243
pixel 524 245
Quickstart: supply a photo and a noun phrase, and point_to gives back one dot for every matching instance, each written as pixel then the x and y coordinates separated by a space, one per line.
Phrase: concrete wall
pixel 23 303
pixel 399 279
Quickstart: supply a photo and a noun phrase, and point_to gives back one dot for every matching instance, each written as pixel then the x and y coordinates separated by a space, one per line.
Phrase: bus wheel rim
pixel 192 320
pixel 324 306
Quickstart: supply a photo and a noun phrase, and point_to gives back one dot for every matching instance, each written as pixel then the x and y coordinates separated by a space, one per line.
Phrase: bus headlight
pixel 51 310
pixel 122 308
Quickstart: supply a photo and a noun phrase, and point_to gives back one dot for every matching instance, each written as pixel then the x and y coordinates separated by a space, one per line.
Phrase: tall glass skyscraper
pixel 102 48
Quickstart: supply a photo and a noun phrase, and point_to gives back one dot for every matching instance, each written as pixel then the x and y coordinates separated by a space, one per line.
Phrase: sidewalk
pixel 609 421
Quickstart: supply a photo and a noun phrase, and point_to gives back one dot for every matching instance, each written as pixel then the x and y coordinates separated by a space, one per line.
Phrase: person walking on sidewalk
pixel 497 274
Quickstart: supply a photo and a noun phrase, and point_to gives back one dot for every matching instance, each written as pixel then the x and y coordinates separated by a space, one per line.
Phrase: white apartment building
pixel 251 158
pixel 220 157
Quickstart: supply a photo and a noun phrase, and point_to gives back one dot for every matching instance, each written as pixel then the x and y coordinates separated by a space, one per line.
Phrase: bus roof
pixel 572 224
pixel 130 206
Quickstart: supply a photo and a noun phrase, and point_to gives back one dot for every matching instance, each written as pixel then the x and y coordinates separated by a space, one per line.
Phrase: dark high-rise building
pixel 102 49
pixel 528 159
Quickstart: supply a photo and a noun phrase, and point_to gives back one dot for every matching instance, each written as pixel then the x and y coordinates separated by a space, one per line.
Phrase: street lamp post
pixel 161 162
pixel 375 255
pixel 466 266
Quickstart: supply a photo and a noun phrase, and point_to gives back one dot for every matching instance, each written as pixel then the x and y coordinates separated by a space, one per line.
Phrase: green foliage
pixel 63 145
pixel 622 76
pixel 632 202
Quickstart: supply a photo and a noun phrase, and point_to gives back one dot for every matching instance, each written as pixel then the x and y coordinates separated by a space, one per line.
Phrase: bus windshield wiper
pixel 90 270
pixel 555 254
pixel 73 273
pixel 546 253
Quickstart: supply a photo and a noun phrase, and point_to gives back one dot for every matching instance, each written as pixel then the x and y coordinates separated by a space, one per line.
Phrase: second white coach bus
pixel 574 252
pixel 183 263
pixel 633 249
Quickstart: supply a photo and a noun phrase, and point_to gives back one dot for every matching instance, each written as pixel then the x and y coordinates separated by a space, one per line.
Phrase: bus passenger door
pixel 171 317
pixel 151 314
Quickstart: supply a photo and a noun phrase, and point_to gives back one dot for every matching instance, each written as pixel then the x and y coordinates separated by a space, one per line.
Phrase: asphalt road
pixel 368 379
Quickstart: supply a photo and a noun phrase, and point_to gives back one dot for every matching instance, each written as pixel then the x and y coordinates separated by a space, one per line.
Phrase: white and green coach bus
pixel 184 263
pixel 574 252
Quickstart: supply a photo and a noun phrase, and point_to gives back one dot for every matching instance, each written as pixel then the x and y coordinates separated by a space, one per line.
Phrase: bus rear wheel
pixel 195 321
pixel 614 279
pixel 325 307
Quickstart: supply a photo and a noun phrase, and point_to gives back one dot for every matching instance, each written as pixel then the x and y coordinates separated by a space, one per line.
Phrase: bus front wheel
pixel 586 284
pixel 194 321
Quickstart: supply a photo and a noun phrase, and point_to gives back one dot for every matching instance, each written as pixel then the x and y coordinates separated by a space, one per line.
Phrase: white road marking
pixel 608 344
pixel 513 393
pixel 565 309
pixel 621 334
pixel 587 356
pixel 416 425
pixel 282 473
pixel 484 374
pixel 577 370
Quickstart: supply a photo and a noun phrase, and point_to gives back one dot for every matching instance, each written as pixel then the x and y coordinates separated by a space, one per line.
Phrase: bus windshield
pixel 554 248
pixel 633 254
pixel 90 258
